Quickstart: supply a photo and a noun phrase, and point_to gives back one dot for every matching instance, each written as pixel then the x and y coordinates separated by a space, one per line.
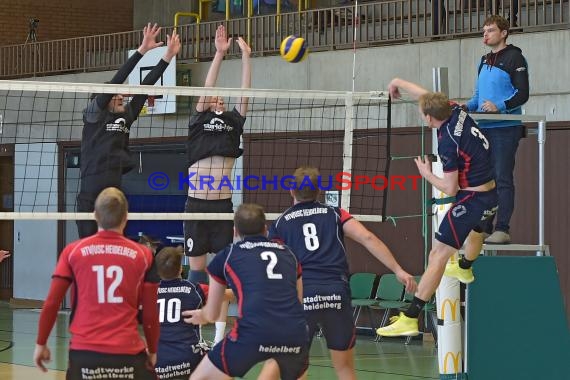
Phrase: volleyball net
pixel 346 135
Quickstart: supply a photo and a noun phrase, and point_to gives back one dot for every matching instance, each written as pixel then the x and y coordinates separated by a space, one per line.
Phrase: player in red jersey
pixel 110 275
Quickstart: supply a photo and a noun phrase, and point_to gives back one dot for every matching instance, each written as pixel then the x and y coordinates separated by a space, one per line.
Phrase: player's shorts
pixel 465 215
pixel 86 203
pixel 86 365
pixel 204 236
pixel 180 364
pixel 90 187
pixel 329 307
pixel 235 358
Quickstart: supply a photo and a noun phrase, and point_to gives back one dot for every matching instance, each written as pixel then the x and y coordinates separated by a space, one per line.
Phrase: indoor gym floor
pixel 390 360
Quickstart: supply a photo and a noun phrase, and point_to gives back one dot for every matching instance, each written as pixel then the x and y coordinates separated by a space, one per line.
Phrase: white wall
pixel 35 242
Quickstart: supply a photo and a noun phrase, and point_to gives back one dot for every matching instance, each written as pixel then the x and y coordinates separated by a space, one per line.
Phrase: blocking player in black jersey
pixel 212 148
pixel 468 175
pixel 107 120
pixel 315 233
pixel 265 276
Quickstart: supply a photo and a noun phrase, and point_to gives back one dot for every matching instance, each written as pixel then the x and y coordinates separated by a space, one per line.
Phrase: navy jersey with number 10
pixel 179 351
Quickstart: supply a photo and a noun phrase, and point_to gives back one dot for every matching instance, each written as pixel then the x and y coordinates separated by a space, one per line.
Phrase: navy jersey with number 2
pixel 270 324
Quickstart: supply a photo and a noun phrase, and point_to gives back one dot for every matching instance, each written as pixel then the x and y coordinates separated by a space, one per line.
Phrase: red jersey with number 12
pixel 108 271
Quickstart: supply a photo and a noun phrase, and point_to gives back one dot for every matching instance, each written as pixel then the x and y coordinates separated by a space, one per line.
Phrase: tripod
pixel 32 34
pixel 32 38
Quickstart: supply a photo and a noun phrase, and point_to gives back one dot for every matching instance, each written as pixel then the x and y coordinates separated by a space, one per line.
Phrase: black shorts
pixel 87 365
pixel 86 203
pixel 90 187
pixel 207 236
pixel 235 358
pixel 333 316
pixel 465 215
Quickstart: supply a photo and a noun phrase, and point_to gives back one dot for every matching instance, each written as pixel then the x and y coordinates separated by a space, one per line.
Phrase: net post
pixel 450 337
pixel 541 141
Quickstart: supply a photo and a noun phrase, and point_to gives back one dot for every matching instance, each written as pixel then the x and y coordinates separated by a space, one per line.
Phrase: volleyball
pixel 294 49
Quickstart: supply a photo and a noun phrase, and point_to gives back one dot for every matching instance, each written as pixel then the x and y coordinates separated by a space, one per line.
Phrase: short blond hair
pixel 304 191
pixel 110 208
pixel 436 105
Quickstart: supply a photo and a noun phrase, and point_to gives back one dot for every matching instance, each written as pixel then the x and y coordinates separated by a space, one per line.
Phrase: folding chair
pixel 361 288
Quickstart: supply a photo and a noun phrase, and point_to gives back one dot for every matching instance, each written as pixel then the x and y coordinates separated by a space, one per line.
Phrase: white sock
pixel 220 331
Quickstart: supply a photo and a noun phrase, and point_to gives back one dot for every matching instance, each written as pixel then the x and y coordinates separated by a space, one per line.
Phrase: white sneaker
pixel 498 237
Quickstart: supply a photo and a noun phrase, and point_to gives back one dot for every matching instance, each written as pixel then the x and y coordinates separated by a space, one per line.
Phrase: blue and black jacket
pixel 502 79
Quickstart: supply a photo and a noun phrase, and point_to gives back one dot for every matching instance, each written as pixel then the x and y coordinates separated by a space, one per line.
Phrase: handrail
pixel 177 15
pixel 198 17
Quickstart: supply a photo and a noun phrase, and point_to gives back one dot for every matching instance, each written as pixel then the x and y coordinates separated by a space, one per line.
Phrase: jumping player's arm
pixel 173 47
pixel 222 45
pixel 357 232
pixel 148 43
pixel 413 89
pixel 150 324
pixel 245 74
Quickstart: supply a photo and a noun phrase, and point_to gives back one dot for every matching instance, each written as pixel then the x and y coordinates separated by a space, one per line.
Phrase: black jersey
pixel 463 147
pixel 314 231
pixel 214 134
pixel 105 135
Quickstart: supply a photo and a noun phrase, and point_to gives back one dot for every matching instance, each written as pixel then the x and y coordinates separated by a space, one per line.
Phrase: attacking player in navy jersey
pixel 265 276
pixel 315 233
pixel 464 152
pixel 213 146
